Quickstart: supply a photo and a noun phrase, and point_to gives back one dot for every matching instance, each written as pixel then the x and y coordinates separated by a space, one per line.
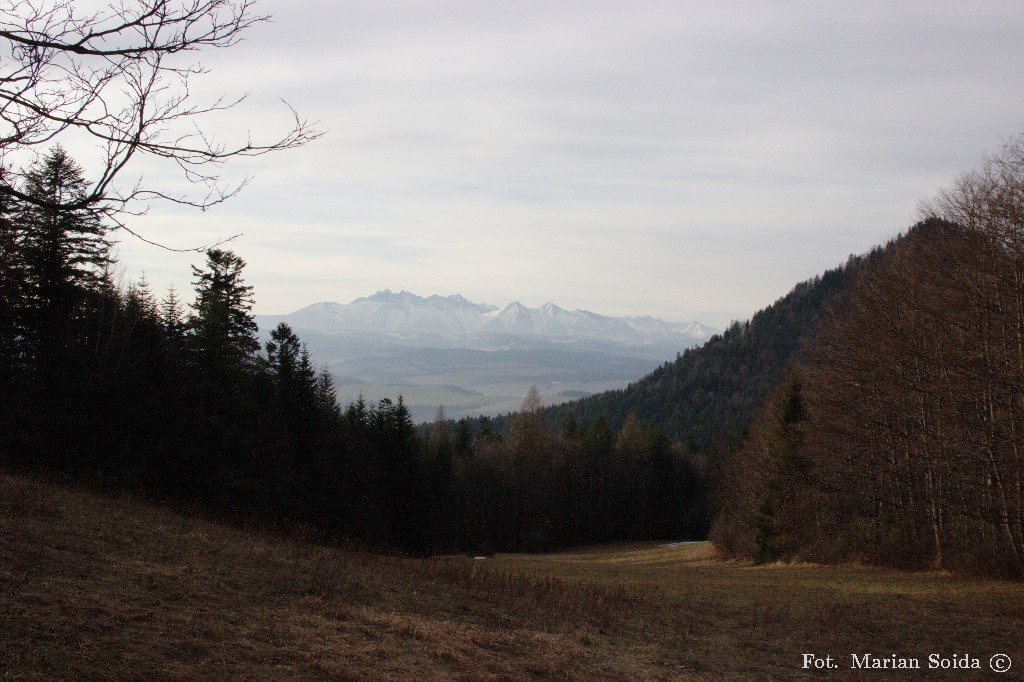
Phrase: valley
pixel 428 487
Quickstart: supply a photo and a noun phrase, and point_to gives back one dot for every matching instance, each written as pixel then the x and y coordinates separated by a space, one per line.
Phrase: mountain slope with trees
pixel 899 439
pixel 712 392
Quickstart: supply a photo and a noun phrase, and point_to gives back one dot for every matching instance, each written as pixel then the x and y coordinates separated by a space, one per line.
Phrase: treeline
pixel 536 487
pixel 105 382
pixel 899 439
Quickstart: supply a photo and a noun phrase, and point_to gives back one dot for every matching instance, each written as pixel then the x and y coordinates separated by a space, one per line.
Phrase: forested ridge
pixel 874 413
pixel 710 393
pixel 897 439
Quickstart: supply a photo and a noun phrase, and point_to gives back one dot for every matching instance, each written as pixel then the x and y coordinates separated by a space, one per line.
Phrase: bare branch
pixel 118 77
pixel 119 225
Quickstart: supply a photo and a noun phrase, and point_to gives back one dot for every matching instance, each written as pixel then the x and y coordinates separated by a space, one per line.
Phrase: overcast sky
pixel 680 159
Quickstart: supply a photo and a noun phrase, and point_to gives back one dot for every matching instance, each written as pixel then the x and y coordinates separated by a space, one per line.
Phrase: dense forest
pixel 898 438
pixel 101 381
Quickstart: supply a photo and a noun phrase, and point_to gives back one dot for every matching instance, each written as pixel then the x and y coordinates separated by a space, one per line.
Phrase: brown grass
pixel 99 588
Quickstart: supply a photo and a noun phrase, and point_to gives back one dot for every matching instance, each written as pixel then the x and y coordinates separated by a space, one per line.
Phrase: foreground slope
pixel 100 588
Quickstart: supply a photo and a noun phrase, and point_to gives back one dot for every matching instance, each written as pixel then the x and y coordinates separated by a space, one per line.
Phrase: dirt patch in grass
pixel 93 587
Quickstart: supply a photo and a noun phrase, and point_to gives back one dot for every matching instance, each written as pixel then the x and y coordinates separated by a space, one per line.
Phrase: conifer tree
pixel 284 353
pixel 327 394
pixel 12 332
pixel 222 346
pixel 172 315
pixel 12 293
pixel 66 255
pixel 296 391
pixel 140 296
pixel 399 451
pixel 222 326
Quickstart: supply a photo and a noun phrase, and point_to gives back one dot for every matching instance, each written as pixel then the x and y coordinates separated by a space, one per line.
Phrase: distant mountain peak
pixel 458 301
pixel 472 356
pixel 408 299
pixel 551 309
pixel 388 296
pixel 452 316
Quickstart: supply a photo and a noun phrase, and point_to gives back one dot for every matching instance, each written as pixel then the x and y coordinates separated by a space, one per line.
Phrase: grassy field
pixel 93 587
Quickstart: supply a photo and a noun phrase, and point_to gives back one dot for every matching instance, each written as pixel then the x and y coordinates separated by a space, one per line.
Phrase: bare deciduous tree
pixel 119 75
pixel 913 391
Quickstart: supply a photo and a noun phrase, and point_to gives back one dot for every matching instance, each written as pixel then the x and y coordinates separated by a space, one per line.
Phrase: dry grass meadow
pixel 94 587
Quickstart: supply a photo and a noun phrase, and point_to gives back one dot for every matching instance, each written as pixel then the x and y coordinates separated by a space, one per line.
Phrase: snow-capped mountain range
pixel 407 313
pixel 475 358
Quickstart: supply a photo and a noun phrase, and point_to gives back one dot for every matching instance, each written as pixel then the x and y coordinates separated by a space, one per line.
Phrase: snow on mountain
pixel 386 311
pixel 551 321
pixel 475 358
pixel 407 313
pixel 653 327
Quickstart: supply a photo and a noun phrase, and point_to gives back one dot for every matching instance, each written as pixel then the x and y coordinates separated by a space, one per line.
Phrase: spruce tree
pixel 66 256
pixel 222 348
pixel 12 294
pixel 60 260
pixel 222 326
pixel 12 331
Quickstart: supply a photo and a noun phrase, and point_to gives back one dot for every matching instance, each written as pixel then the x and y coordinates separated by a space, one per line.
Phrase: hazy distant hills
pixel 476 358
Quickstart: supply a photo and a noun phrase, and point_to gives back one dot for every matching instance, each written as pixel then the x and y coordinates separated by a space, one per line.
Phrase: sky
pixel 686 160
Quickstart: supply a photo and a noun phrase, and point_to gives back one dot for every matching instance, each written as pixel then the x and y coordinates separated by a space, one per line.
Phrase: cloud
pixel 655 157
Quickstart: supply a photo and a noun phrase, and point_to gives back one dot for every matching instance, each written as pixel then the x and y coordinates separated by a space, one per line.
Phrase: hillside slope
pixel 716 389
pixel 99 588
